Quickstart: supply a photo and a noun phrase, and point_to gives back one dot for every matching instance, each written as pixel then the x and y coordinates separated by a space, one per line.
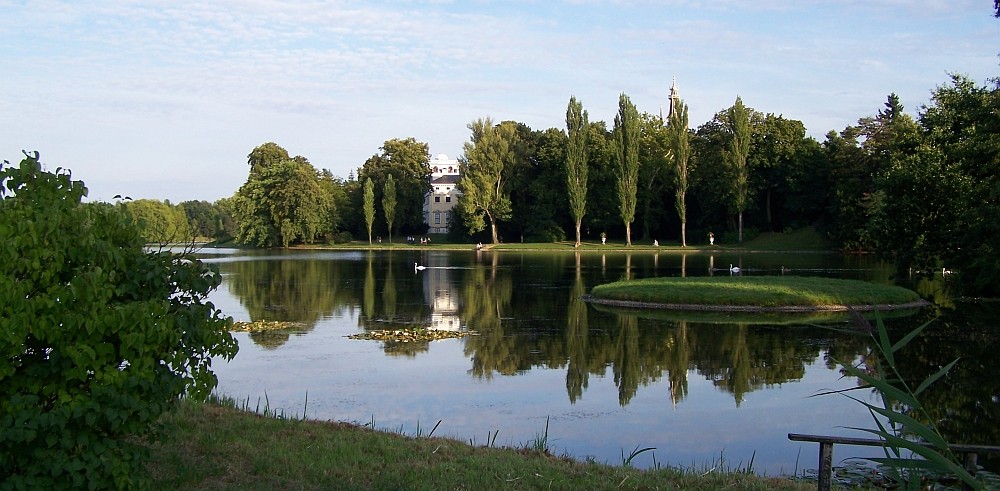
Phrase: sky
pixel 164 99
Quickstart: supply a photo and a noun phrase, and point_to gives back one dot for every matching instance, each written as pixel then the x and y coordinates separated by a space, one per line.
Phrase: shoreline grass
pixel 757 292
pixel 220 446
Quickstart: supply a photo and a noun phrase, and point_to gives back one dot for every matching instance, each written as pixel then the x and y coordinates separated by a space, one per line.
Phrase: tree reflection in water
pixel 527 313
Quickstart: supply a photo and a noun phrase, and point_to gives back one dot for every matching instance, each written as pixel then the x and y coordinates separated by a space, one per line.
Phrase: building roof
pixel 446 179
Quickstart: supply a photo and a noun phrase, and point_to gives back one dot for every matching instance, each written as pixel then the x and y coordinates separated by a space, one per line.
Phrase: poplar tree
pixel 735 156
pixel 626 142
pixel 369 207
pixel 680 149
pixel 389 203
pixel 576 162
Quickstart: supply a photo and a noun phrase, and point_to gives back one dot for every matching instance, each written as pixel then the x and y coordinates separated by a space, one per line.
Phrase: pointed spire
pixel 675 95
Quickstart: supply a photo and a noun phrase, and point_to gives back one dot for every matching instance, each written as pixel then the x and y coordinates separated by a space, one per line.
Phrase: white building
pixel 444 194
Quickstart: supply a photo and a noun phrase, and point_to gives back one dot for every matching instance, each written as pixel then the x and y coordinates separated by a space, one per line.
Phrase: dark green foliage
pixel 284 200
pixel 576 162
pixel 202 218
pixel 483 184
pixel 98 338
pixel 408 161
pixel 537 184
pixel 963 122
pixel 626 148
pixel 736 154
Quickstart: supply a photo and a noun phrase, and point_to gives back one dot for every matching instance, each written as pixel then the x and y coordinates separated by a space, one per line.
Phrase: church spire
pixel 675 96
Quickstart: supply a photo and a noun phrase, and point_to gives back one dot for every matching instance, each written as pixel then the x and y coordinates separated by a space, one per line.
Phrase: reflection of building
pixel 440 293
pixel 443 196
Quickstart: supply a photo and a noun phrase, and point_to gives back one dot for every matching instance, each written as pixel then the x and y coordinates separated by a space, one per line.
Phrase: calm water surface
pixel 698 389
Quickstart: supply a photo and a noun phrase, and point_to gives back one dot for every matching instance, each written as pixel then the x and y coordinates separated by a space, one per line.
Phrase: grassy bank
pixel 212 446
pixel 755 292
pixel 806 239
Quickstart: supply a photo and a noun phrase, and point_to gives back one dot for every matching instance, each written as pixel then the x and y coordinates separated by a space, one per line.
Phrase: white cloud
pixel 145 93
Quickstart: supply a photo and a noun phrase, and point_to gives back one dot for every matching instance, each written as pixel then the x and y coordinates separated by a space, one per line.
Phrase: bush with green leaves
pixel 98 337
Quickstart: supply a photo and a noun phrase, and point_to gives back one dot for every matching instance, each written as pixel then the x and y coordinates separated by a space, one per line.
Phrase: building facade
pixel 444 194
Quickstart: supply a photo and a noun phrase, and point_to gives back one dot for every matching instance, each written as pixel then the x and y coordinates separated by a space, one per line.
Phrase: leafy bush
pixel 98 337
pixel 342 238
pixel 548 231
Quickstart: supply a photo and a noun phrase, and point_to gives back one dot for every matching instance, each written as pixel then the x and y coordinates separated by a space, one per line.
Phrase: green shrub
pixel 342 238
pixel 98 337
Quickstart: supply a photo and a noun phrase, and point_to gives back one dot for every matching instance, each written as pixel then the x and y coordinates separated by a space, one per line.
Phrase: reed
pixel 907 460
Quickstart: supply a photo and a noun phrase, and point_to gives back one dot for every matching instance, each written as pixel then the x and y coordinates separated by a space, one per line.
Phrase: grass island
pixel 754 294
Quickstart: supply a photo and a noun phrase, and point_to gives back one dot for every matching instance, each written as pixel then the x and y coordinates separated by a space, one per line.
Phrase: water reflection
pixel 530 323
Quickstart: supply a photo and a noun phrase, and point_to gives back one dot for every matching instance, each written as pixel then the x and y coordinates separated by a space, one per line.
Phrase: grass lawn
pixel 765 292
pixel 219 446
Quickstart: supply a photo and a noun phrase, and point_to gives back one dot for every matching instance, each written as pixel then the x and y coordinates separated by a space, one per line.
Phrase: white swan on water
pixel 733 269
pixel 417 267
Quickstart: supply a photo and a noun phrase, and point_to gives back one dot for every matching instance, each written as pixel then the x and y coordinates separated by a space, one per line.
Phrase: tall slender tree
pixel 407 160
pixel 626 138
pixel 680 151
pixel 576 162
pixel 735 155
pixel 369 207
pixel 389 203
pixel 483 180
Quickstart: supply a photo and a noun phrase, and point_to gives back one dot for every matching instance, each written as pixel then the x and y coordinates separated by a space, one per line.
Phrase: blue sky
pixel 165 99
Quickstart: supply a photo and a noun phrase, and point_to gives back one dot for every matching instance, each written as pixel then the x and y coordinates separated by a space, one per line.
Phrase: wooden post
pixel 971 466
pixel 825 466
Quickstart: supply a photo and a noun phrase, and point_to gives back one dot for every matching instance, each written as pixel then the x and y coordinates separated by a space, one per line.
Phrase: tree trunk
pixel 493 230
pixel 770 226
pixel 684 242
pixel 577 234
pixel 741 228
pixel 628 235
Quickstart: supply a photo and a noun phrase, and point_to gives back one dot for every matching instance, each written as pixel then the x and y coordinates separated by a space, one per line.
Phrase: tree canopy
pixel 98 337
pixel 736 154
pixel 483 183
pixel 408 161
pixel 626 138
pixel 283 200
pixel 576 162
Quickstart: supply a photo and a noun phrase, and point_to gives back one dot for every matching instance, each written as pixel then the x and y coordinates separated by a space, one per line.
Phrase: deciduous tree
pixel 282 201
pixel 736 154
pixel 484 194
pixel 576 162
pixel 369 207
pixel 389 203
pixel 626 138
pixel 680 152
pixel 98 337
pixel 408 161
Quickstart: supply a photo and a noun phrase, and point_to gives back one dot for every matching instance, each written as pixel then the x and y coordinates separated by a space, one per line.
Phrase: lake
pixel 702 390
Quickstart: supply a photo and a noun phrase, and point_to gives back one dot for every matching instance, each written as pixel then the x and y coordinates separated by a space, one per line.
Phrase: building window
pixel 447 218
pixel 447 199
pixel 437 218
pixel 437 199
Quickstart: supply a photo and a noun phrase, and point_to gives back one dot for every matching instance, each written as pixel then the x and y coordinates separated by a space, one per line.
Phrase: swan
pixel 733 269
pixel 418 268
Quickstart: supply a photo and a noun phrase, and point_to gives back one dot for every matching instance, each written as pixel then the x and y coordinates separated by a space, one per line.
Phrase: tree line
pixel 922 191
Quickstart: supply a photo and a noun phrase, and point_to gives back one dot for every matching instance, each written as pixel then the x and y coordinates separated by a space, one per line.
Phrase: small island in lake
pixel 754 294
